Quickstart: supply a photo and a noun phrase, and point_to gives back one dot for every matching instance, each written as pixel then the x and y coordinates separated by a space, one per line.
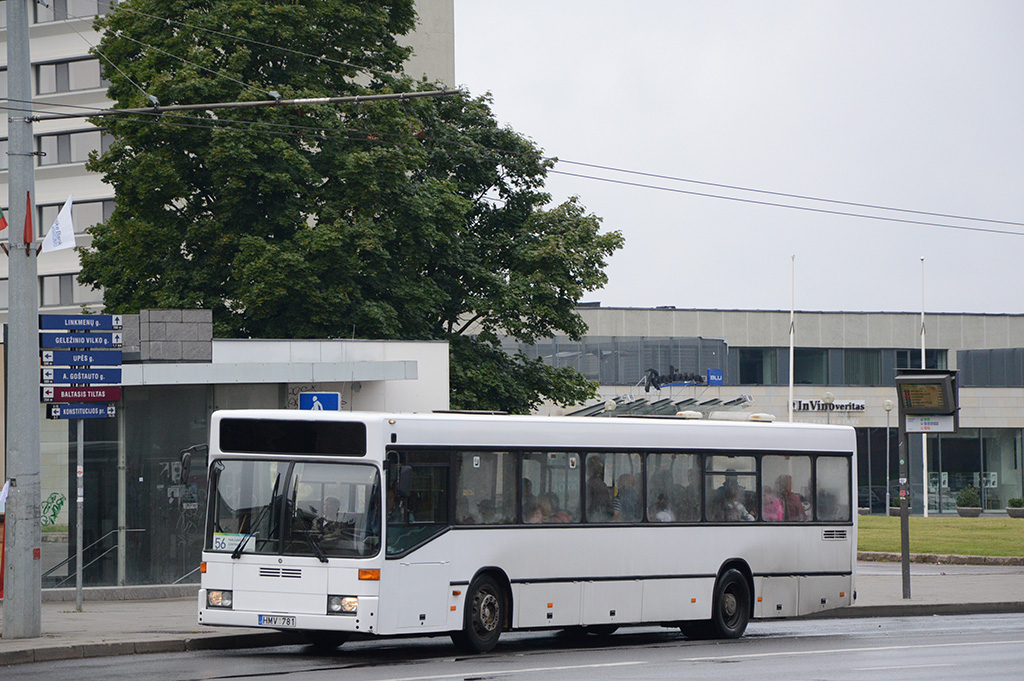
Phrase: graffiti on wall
pixel 51 507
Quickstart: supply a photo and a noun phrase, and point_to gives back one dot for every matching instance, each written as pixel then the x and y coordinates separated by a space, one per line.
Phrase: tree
pixel 420 219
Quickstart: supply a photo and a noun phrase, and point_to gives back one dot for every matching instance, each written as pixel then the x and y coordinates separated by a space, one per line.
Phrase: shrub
pixel 1016 502
pixel 968 497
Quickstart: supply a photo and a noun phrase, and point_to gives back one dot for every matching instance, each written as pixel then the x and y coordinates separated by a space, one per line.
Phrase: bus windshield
pixel 300 509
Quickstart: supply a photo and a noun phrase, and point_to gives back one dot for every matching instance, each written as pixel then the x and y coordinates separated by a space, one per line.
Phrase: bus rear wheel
pixel 730 610
pixel 485 612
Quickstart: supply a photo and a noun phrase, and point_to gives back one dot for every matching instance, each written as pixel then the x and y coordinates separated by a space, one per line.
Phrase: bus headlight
pixel 218 599
pixel 342 605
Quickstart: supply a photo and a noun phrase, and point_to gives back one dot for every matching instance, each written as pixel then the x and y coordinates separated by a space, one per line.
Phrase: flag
pixel 30 236
pixel 3 220
pixel 62 233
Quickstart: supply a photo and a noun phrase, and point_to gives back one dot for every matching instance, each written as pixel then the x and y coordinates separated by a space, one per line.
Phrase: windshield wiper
pixel 237 553
pixel 314 544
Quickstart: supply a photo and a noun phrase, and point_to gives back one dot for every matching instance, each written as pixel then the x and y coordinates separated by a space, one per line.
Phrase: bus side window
pixel 833 490
pixel 485 484
pixel 786 488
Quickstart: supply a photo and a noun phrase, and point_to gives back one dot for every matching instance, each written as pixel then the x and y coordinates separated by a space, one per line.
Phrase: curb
pixel 87 650
pixel 919 610
pixel 939 559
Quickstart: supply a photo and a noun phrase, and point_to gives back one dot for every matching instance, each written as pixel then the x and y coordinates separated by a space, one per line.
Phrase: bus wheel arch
pixel 486 611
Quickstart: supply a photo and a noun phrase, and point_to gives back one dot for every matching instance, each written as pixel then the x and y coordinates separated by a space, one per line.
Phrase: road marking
pixel 902 666
pixel 833 651
pixel 493 672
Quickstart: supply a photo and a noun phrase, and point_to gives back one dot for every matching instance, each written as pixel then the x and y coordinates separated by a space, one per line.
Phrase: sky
pixel 916 105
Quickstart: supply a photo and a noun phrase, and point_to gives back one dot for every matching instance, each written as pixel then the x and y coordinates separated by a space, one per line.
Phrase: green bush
pixel 968 497
pixel 1016 502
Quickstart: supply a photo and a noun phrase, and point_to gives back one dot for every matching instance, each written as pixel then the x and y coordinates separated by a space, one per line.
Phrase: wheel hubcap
pixel 487 612
pixel 729 606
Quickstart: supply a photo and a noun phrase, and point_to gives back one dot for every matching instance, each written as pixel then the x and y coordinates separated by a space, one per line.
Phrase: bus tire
pixel 485 613
pixel 730 610
pixel 601 629
pixel 326 640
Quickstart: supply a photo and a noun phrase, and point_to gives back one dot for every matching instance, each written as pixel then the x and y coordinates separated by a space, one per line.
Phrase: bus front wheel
pixel 485 612
pixel 731 609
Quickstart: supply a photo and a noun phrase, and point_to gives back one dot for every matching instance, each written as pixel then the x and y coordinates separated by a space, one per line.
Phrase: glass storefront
pixel 987 459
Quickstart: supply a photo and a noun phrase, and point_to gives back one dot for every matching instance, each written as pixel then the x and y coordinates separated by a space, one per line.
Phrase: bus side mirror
pixel 186 460
pixel 404 487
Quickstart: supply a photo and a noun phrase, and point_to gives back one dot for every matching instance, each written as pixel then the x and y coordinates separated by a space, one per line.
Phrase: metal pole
pixel 23 576
pixel 792 330
pixel 80 472
pixel 924 436
pixel 904 453
pixel 888 463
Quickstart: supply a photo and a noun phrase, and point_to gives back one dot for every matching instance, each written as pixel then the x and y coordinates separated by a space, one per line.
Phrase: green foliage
pixel 968 497
pixel 325 221
pixel 1016 502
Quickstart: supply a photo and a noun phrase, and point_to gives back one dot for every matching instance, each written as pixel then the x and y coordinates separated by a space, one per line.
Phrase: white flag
pixel 62 233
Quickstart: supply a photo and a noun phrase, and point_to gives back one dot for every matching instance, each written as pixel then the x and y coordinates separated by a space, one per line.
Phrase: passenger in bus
pixel 487 512
pixel 734 509
pixel 626 504
pixel 662 511
pixel 329 522
pixel 792 504
pixel 771 507
pixel 552 512
pixel 599 497
pixel 533 513
pixel 686 500
pixel 528 497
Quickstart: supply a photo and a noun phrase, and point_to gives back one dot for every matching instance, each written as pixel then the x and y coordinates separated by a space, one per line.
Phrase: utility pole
pixel 23 538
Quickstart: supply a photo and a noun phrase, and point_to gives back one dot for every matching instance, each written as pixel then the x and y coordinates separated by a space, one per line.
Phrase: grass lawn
pixel 989 535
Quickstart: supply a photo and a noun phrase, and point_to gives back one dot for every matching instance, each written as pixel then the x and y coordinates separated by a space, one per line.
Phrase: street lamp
pixel 828 399
pixel 887 406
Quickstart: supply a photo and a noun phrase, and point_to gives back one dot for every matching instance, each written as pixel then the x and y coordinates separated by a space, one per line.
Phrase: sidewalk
pixel 160 625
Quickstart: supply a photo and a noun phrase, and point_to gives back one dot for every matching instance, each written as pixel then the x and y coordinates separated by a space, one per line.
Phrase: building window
pixel 71 147
pixel 758 366
pixel 4 294
pixel 83 215
pixel 67 76
pixel 3 154
pixel 911 359
pixel 64 289
pixel 863 367
pixel 61 10
pixel 810 366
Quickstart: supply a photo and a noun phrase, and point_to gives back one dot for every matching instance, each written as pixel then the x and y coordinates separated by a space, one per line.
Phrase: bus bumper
pixel 364 620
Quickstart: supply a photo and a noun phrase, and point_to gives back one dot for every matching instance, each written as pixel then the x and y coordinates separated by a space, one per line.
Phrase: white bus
pixel 341 523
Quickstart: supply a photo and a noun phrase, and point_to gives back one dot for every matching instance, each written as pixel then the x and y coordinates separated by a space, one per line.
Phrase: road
pixel 897 649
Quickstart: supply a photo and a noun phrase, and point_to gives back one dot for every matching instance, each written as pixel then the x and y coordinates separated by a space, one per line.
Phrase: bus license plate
pixel 276 621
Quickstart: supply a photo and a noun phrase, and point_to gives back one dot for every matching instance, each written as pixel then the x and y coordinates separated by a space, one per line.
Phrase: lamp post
pixel 887 406
pixel 828 399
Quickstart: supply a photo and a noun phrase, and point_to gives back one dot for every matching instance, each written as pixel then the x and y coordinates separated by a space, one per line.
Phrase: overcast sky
pixel 908 104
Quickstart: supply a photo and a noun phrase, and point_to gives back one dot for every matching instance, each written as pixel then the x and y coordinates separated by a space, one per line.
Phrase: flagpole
pixel 792 329
pixel 924 436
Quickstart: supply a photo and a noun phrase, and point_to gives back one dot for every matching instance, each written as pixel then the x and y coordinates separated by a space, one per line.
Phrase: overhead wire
pixel 372 135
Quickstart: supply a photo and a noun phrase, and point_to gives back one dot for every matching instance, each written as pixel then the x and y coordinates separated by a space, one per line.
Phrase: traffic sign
pixel 80 411
pixel 64 393
pixel 80 322
pixel 320 401
pixel 82 358
pixel 100 339
pixel 86 375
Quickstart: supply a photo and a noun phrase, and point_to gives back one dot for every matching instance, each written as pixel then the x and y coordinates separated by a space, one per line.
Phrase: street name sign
pixel 99 339
pixel 106 375
pixel 81 358
pixel 80 411
pixel 80 322
pixel 65 393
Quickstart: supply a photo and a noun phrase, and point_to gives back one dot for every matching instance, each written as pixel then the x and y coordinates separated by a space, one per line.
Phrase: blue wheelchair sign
pixel 320 401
